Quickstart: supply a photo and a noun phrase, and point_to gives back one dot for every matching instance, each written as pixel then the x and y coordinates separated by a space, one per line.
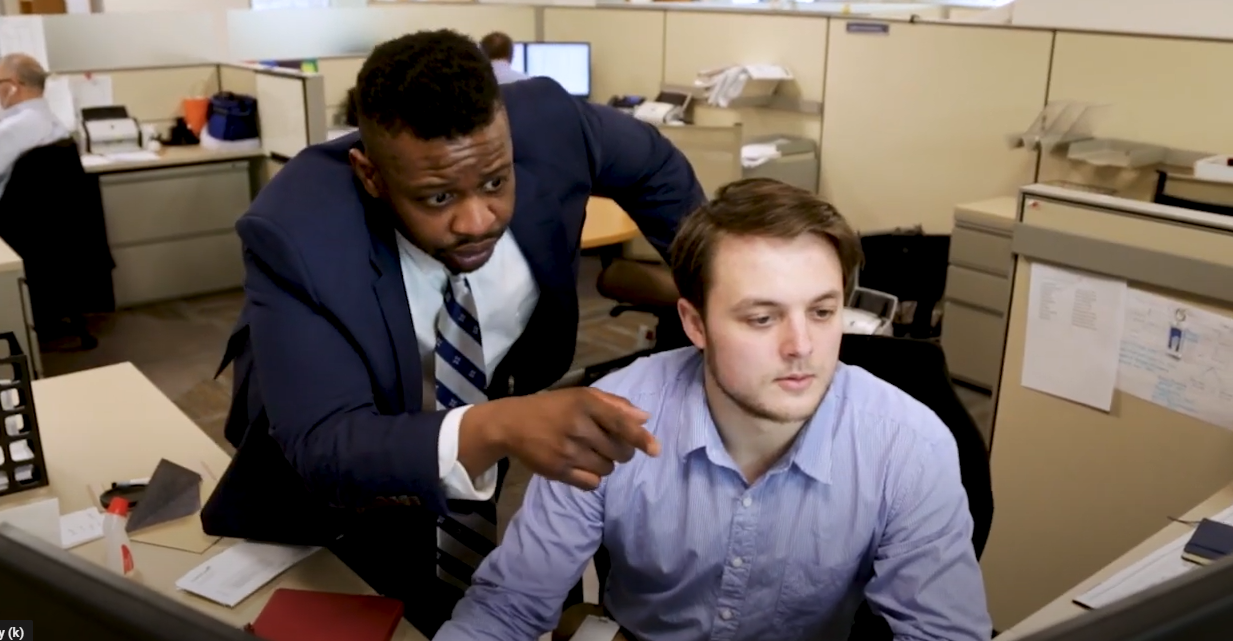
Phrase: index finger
pixel 622 419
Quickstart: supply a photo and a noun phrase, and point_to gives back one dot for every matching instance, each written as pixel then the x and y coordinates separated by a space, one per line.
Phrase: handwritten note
pixel 1074 333
pixel 1178 357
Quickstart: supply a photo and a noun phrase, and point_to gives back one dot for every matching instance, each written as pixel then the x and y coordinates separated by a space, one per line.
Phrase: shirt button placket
pixel 735 578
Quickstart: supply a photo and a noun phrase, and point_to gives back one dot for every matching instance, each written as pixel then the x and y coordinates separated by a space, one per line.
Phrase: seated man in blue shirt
pixel 789 485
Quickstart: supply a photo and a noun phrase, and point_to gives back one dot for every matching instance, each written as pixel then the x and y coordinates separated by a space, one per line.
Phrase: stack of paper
pixel 1162 565
pixel 236 573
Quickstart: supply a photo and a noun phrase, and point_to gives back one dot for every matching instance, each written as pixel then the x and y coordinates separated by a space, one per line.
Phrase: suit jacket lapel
pixel 536 226
pixel 391 295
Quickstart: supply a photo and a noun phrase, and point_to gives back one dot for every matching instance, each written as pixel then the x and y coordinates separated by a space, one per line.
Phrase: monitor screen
pixel 519 63
pixel 569 63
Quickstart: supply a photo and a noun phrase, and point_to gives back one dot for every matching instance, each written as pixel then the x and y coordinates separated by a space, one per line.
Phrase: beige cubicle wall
pixel 154 96
pixel 627 47
pixel 916 119
pixel 1077 487
pixel 696 41
pixel 1155 90
pixel 339 75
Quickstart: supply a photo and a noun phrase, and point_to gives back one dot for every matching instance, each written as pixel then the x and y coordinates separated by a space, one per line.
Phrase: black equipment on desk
pixel 69 598
pixel 1197 606
pixel 22 466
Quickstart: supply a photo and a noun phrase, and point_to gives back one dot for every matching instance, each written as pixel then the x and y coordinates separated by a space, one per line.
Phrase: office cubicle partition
pixel 1077 487
pixel 292 111
pixel 1156 90
pixel 916 119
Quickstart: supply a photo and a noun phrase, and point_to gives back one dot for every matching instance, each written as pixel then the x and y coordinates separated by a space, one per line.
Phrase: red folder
pixel 301 615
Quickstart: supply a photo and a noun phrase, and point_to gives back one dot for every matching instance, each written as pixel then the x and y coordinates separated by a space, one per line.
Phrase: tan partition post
pixel 339 75
pixel 1077 487
pixel 695 41
pixel 627 47
pixel 291 106
pixel 1156 90
pixel 916 119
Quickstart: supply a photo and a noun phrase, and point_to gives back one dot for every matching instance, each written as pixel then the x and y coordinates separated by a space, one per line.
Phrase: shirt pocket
pixel 811 593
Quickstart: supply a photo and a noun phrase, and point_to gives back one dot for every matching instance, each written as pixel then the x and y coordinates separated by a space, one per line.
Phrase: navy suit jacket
pixel 327 414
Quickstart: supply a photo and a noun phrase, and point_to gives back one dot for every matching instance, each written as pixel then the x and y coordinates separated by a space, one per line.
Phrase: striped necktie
pixel 464 538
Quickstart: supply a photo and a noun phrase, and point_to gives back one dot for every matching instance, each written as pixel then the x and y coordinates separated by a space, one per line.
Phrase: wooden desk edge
pixel 1064 607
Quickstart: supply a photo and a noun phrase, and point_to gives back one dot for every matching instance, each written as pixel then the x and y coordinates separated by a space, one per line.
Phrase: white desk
pixel 1063 607
pixel 112 423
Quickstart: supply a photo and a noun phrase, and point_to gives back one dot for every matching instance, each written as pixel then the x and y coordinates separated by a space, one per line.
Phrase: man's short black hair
pixel 433 84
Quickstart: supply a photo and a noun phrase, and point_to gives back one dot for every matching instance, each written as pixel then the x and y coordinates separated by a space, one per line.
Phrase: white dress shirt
pixel 503 285
pixel 506 73
pixel 23 127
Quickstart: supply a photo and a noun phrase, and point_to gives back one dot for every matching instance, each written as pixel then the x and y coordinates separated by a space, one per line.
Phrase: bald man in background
pixel 26 120
pixel 499 48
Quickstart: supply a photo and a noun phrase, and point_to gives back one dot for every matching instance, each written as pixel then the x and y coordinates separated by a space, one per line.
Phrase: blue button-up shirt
pixel 506 73
pixel 866 502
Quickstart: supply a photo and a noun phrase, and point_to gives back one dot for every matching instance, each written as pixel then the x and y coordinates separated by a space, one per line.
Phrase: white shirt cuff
pixel 454 477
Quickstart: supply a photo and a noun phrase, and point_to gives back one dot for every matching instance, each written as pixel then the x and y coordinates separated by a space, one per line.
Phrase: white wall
pixel 1208 18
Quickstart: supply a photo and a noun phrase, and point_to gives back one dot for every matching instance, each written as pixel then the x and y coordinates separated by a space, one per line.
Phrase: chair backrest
pixel 919 369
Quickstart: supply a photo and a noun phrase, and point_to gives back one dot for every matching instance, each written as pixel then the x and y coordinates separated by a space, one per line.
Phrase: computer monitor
pixel 69 598
pixel 1197 606
pixel 569 63
pixel 519 63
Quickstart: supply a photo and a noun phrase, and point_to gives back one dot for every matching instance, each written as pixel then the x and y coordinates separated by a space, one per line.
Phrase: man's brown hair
pixel 756 207
pixel 497 46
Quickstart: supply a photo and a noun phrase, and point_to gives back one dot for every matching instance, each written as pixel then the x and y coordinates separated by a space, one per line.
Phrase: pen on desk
pixel 124 485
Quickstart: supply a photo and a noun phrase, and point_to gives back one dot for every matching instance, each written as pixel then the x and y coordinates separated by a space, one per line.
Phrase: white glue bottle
pixel 119 548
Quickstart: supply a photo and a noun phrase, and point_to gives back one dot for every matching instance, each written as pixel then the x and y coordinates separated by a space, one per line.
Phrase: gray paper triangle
pixel 173 492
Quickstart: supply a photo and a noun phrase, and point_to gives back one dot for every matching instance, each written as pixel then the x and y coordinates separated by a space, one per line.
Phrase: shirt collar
pixel 426 265
pixel 812 450
pixel 27 105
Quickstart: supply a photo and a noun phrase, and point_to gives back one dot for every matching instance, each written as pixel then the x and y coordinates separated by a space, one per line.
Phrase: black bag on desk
pixel 233 116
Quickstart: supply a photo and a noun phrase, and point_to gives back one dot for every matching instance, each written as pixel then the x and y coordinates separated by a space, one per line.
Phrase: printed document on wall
pixel 1074 333
pixel 24 34
pixel 1178 357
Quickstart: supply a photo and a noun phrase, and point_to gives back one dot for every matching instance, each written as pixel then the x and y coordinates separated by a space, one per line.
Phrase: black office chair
pixel 918 367
pixel 639 286
pixel 51 214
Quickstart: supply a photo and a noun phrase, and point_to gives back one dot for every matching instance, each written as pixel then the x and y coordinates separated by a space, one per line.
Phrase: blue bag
pixel 233 117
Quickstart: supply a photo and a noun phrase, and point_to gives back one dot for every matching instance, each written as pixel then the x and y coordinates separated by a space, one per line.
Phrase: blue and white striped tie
pixel 463 540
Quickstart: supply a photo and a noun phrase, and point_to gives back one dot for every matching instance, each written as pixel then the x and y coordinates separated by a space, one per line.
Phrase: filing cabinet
pixel 978 286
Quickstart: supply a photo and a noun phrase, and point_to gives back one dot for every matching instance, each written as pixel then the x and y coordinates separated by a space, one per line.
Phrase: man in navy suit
pixel 409 290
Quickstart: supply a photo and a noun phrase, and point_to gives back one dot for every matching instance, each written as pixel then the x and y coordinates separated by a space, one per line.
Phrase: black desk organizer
pixel 15 376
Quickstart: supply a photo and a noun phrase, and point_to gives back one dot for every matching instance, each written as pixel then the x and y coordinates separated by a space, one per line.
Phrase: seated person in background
pixel 499 48
pixel 351 116
pixel 789 486
pixel 26 121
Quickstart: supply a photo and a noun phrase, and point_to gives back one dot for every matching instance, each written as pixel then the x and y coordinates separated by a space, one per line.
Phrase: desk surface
pixel 9 260
pixel 112 423
pixel 177 157
pixel 1063 607
pixel 606 224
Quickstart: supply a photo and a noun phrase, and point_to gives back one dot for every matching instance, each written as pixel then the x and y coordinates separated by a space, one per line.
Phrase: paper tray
pixel 1108 152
